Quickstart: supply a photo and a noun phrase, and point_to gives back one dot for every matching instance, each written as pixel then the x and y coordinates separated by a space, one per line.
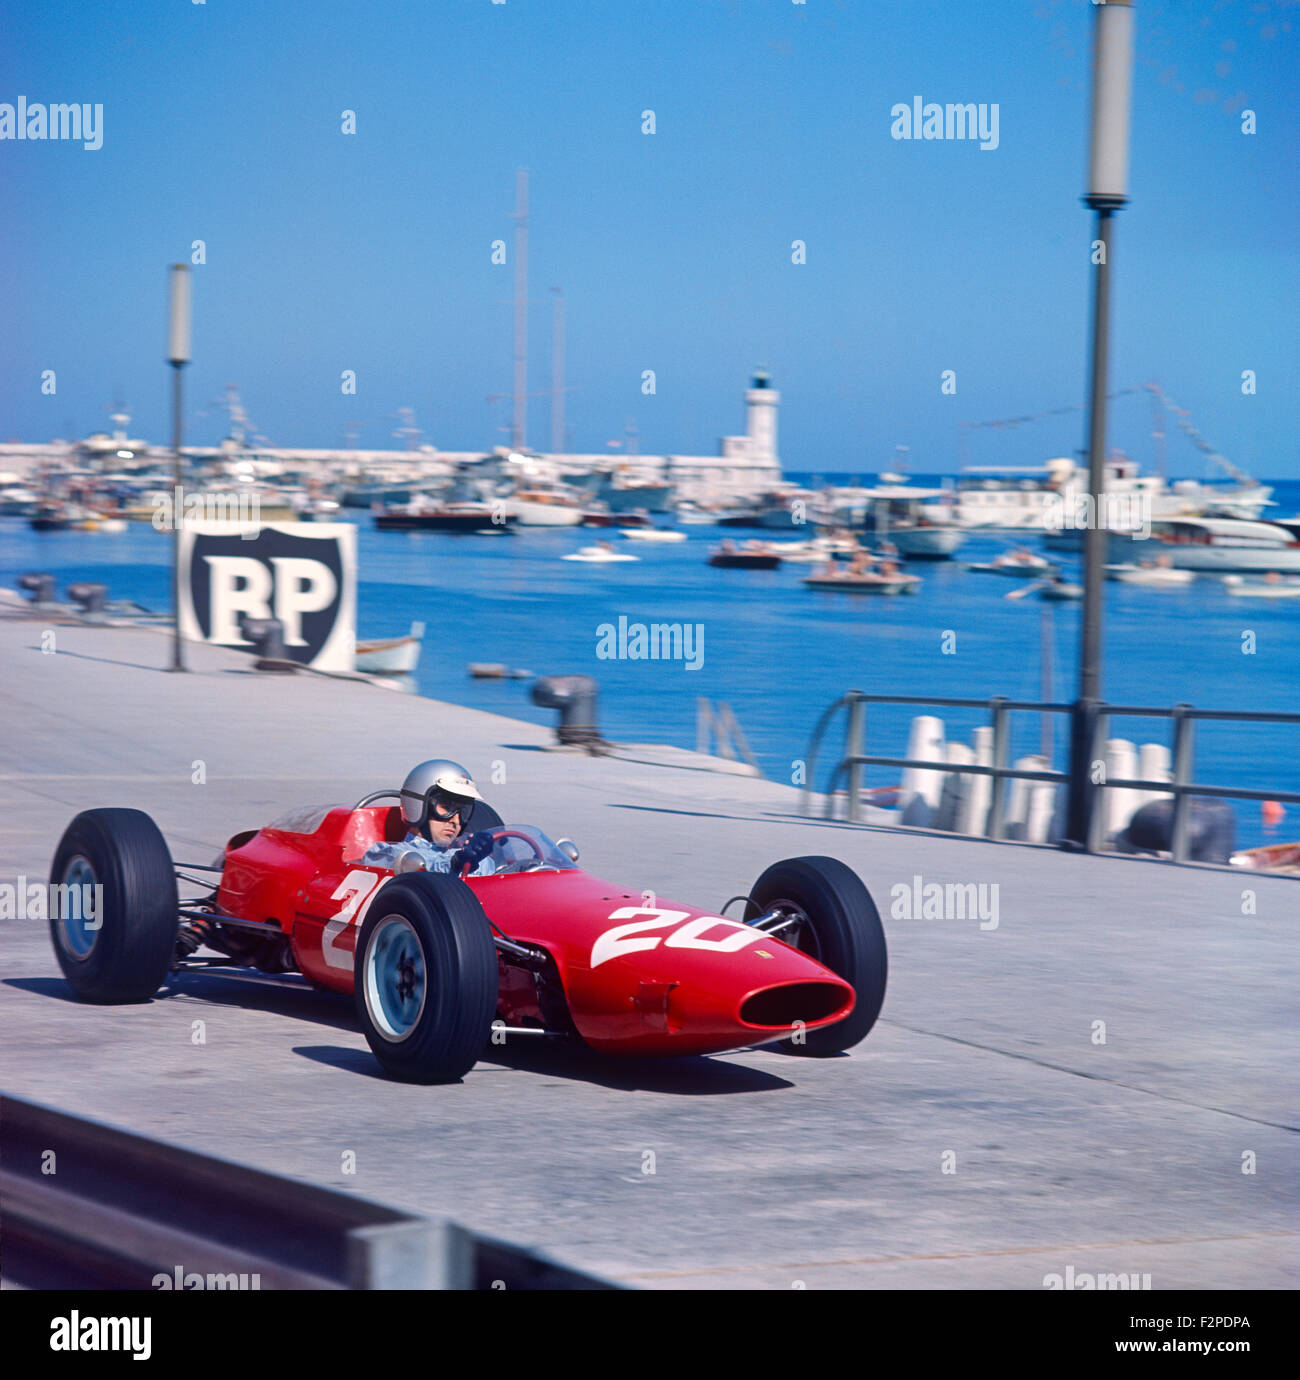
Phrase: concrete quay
pixel 1122 1157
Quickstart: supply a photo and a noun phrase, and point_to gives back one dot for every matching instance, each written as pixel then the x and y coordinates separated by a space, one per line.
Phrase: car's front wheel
pixel 426 978
pixel 837 923
pixel 113 907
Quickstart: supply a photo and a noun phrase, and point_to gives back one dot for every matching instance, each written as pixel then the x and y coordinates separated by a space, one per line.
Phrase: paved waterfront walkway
pixel 1119 1157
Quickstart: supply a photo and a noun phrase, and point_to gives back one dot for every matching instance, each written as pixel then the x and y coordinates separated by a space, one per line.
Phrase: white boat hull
pixel 1159 578
pixel 391 656
pixel 652 534
pixel 530 514
pixel 1252 589
pixel 1225 560
pixel 927 543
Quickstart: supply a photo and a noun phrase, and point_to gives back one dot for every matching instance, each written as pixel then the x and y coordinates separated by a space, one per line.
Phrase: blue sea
pixel 778 653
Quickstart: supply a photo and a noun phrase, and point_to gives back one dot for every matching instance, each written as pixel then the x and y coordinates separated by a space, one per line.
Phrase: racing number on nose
pixel 358 887
pixel 630 939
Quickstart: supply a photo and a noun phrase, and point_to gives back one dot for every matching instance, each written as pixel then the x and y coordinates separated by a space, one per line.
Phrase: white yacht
pixel 1223 545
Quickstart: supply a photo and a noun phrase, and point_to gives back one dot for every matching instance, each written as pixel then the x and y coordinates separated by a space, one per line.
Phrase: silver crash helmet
pixel 438 789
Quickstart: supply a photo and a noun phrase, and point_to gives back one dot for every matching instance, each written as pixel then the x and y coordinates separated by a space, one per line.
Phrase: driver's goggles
pixel 443 806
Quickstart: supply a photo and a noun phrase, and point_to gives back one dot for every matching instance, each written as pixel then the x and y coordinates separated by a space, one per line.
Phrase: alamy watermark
pixel 922 900
pixel 960 120
pixel 181 1279
pixel 651 642
pixel 1115 512
pixel 1085 1280
pixel 205 505
pixel 74 122
pixel 24 900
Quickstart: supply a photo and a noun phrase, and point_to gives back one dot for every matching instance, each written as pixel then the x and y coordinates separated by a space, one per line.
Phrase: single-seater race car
pixel 440 965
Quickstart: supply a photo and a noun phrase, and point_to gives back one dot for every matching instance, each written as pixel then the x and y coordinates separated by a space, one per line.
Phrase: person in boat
pixel 437 803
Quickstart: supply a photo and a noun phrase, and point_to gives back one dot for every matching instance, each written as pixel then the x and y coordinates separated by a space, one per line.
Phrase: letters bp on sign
pixel 302 573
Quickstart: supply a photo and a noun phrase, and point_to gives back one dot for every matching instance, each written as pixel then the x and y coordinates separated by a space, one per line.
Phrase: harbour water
pixel 777 652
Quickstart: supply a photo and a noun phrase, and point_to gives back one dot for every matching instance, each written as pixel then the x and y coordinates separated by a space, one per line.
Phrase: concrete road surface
pixel 1085 1084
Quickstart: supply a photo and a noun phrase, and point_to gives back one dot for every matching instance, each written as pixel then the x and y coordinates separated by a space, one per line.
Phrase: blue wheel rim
pixel 396 978
pixel 78 930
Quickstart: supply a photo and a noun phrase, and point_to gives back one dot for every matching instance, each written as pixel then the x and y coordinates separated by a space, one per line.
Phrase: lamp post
pixel 1112 80
pixel 178 356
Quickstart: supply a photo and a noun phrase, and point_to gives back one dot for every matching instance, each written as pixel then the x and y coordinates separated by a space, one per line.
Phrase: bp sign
pixel 302 573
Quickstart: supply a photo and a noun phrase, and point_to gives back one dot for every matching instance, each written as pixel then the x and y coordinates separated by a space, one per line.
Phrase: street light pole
pixel 1112 79
pixel 178 356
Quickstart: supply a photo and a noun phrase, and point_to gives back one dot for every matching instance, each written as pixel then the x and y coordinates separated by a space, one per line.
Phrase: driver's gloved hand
pixel 474 851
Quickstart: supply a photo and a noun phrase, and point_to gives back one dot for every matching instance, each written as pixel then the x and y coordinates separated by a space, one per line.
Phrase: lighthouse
pixel 761 402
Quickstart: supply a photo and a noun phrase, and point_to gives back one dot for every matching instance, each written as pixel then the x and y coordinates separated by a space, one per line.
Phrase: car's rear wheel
pixel 837 923
pixel 426 978
pixel 113 906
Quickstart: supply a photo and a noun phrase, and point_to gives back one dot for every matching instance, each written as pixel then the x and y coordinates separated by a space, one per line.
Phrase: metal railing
pixel 718 722
pixel 999 709
pixel 89 1206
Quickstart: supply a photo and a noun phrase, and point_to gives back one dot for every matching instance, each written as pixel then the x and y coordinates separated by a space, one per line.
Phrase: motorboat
pixel 600 554
pixel 1020 563
pixel 546 505
pixel 919 522
pixel 653 534
pixel 1151 576
pixel 392 655
pixel 752 555
pixel 424 515
pixel 1224 545
pixel 1275 588
pixel 603 517
pixel 868 581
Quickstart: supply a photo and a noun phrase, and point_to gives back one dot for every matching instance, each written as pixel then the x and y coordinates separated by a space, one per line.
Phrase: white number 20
pixel 630 939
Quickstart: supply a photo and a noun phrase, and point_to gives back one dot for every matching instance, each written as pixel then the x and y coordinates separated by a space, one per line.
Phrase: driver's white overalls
pixel 436 859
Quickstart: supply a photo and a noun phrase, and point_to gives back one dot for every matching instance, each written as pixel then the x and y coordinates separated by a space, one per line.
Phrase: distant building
pixel 744 465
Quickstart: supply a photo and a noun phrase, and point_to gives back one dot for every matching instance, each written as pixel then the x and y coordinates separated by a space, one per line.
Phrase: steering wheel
pixel 522 864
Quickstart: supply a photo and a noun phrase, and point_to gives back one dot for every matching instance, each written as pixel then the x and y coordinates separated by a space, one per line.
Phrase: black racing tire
pixel 125 954
pixel 843 932
pixel 426 978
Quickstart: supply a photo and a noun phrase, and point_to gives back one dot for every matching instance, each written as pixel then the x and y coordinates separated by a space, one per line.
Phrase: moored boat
pixel 865 581
pixel 600 554
pixel 1020 563
pixel 1151 576
pixel 54 516
pixel 422 515
pixel 1224 545
pixel 1274 587
pixel 751 556
pixel 653 534
pixel 601 517
pixel 391 655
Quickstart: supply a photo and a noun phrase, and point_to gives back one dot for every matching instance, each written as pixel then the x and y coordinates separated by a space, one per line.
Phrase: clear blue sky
pixel 371 251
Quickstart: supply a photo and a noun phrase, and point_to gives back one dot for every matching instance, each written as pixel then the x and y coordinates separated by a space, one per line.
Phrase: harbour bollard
pixel 1153 765
pixel 974 817
pixel 956 787
pixel 575 698
pixel 39 585
pixel 267 637
pixel 89 596
pixel 922 786
pixel 1120 803
pixel 1028 817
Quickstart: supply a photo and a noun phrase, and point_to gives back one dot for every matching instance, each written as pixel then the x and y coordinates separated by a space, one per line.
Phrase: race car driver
pixel 438 800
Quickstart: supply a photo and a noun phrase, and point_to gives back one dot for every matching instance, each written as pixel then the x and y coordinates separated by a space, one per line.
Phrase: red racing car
pixel 440 965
